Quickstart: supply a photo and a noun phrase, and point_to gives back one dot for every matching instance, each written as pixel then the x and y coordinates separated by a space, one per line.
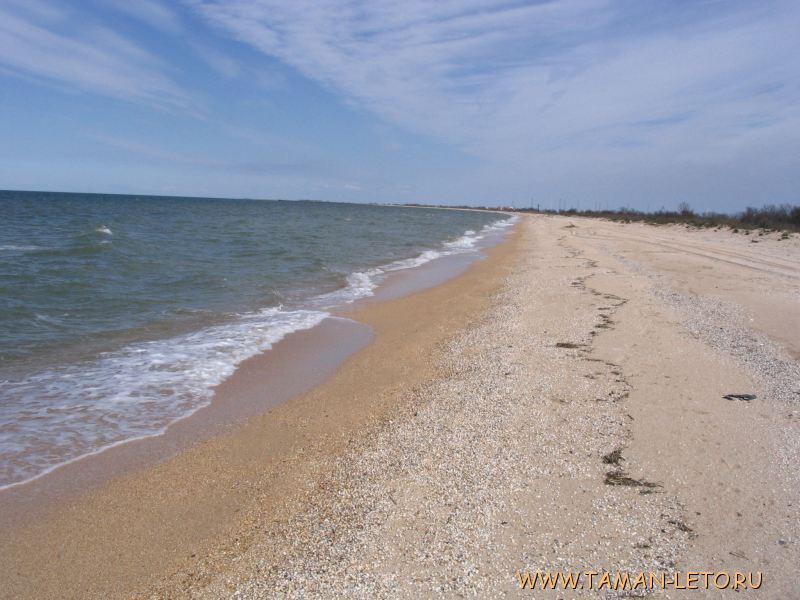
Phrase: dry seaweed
pixel 614 457
pixel 620 477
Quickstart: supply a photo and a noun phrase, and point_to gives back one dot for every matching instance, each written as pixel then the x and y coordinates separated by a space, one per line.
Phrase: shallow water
pixel 119 314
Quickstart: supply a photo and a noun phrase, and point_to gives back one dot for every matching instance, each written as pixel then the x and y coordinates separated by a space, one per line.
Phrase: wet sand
pixel 296 364
pixel 557 406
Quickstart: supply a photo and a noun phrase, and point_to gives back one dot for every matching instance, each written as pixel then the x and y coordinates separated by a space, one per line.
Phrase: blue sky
pixel 579 102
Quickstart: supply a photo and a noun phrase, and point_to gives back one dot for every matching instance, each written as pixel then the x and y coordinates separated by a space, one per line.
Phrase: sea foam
pixel 362 284
pixel 62 414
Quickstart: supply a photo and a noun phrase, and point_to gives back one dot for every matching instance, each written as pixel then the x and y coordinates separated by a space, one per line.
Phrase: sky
pixel 559 103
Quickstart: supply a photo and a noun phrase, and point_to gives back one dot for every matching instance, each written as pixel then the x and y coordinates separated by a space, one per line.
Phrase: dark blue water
pixel 119 314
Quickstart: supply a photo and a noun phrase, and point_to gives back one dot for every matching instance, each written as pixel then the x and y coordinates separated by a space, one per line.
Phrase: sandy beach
pixel 558 406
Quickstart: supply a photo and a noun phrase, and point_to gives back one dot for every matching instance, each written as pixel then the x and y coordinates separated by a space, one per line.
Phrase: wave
pixel 62 414
pixel 18 248
pixel 362 284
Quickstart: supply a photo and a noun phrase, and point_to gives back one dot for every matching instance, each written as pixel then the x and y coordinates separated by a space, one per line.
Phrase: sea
pixel 120 314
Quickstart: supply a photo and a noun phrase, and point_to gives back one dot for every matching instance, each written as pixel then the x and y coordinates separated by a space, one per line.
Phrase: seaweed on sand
pixel 620 477
pixel 614 457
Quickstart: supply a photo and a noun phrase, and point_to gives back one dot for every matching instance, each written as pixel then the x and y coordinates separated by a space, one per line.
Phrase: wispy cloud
pixel 222 64
pixel 227 67
pixel 430 66
pixel 589 98
pixel 584 80
pixel 153 13
pixel 58 46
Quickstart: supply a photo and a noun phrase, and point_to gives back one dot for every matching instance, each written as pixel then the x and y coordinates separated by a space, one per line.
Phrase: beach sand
pixel 558 406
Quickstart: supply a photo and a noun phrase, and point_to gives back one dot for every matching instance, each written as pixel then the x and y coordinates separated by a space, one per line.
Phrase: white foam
pixel 362 284
pixel 60 415
pixel 104 230
pixel 17 248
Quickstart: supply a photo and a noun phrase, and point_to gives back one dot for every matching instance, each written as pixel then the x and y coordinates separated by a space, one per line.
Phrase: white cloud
pixel 553 86
pixel 587 97
pixel 65 50
pixel 427 65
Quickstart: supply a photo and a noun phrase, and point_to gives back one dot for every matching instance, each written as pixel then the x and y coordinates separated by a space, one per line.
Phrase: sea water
pixel 120 314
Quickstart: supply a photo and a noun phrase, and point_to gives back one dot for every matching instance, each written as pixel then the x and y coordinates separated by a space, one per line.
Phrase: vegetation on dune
pixel 772 217
pixel 782 217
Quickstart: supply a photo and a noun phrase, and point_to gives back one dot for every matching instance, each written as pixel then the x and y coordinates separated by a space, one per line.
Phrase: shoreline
pixel 133 369
pixel 33 511
pixel 558 406
pixel 306 354
pixel 295 364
